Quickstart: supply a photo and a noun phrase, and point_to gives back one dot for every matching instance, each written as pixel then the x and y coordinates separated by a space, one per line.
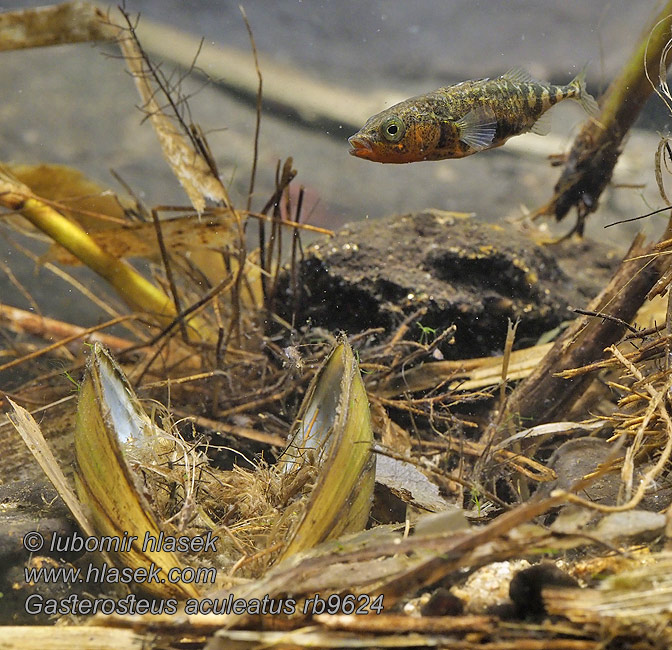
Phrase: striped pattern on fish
pixel 465 118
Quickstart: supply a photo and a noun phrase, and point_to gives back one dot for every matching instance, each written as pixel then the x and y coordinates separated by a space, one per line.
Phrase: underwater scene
pixel 336 324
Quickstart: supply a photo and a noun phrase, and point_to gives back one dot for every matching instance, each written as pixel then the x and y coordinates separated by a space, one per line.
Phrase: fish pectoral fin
pixel 543 125
pixel 477 128
pixel 518 75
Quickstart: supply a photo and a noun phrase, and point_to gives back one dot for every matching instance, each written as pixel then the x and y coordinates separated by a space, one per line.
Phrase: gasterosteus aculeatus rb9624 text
pixel 465 118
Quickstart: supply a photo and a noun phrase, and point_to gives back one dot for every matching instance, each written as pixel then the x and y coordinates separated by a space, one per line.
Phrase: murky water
pixel 75 104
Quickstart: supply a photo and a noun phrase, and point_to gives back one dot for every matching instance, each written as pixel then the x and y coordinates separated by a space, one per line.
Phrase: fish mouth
pixel 360 146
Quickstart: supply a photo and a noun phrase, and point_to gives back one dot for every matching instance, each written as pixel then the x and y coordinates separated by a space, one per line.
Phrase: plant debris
pixel 381 486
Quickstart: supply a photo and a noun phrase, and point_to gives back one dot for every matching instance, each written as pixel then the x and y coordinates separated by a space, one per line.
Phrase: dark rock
pixel 526 587
pixel 442 603
pixel 13 607
pixel 579 457
pixel 463 272
pixel 31 495
pixel 576 458
pixel 29 506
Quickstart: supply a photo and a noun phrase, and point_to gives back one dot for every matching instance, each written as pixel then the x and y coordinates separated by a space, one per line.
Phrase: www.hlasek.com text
pixel 107 574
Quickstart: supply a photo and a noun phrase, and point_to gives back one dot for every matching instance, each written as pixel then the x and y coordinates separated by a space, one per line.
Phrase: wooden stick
pixel 50 328
pixel 591 161
pixel 544 396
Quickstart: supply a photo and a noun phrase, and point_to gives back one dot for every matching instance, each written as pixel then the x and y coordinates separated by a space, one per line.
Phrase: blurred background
pixel 76 105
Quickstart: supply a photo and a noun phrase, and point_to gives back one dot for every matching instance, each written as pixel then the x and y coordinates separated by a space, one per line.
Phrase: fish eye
pixel 392 129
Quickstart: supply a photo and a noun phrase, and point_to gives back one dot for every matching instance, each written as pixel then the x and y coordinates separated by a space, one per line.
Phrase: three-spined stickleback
pixel 465 118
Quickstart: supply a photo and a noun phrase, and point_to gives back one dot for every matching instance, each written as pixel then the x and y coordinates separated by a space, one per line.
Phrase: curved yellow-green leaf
pixel 135 289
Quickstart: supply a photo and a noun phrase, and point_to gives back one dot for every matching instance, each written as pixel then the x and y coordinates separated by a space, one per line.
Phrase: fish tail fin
pixel 587 101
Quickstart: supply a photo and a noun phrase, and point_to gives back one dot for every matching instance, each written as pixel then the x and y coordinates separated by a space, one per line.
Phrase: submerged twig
pixel 591 161
pixel 38 325
pixel 641 216
pixel 189 165
pixel 659 403
pixel 80 333
pixel 169 272
pixel 596 314
pixel 69 22
pixel 257 124
pixel 544 396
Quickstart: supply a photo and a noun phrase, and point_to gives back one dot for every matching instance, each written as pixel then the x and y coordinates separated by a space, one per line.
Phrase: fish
pixel 465 118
